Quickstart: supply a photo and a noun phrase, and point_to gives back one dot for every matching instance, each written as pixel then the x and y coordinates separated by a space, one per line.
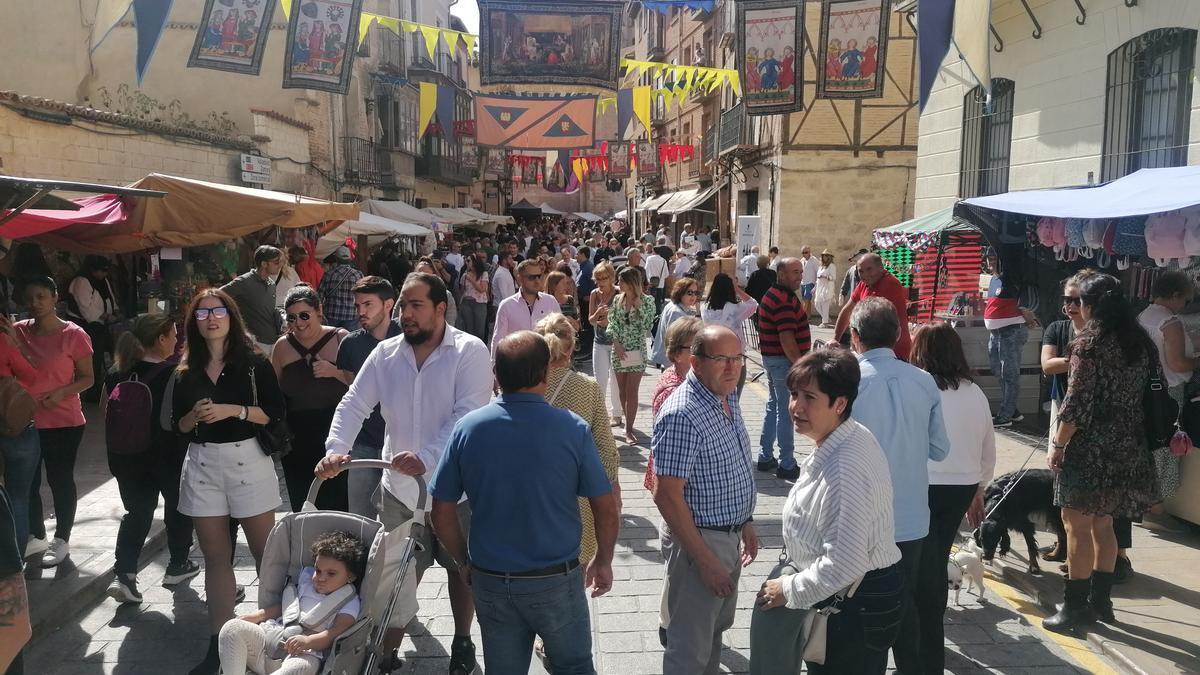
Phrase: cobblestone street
pixel 166 634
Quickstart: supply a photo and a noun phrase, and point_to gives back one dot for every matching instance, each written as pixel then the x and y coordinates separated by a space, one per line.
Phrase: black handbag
pixel 1161 411
pixel 274 437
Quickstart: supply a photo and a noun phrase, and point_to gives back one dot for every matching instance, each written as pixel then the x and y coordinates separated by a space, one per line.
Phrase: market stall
pixel 370 229
pixel 1133 227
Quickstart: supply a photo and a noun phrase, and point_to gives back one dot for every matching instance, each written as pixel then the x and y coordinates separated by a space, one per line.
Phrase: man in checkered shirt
pixel 706 495
pixel 337 290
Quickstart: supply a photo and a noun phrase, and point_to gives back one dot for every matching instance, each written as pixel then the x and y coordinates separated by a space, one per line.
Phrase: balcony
pixel 737 131
pixel 444 65
pixel 443 169
pixel 393 49
pixel 367 162
pixel 708 145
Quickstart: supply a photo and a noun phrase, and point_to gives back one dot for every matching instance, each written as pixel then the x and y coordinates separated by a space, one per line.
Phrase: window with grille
pixel 986 140
pixel 1147 102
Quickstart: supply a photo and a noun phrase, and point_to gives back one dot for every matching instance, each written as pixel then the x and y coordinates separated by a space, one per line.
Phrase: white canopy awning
pixel 621 215
pixel 548 210
pixel 375 228
pixel 688 200
pixel 487 217
pixel 653 203
pixel 588 216
pixel 1141 193
pixel 405 213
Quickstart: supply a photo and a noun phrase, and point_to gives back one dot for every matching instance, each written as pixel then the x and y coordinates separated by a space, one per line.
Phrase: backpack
pixel 1130 236
pixel 1165 236
pixel 129 415
pixel 16 407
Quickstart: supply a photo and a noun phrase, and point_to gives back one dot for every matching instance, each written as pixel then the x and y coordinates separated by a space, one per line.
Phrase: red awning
pixel 97 210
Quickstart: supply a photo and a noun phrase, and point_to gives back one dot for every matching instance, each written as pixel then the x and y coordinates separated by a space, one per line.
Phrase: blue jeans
pixel 512 611
pixel 777 426
pixel 1004 354
pixel 362 483
pixel 21 456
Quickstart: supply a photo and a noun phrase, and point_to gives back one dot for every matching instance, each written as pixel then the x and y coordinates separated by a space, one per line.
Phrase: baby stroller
pixel 359 650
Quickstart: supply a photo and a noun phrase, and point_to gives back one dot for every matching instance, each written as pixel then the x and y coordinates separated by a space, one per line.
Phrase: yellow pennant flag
pixel 408 26
pixel 428 104
pixel 451 38
pixel 735 81
pixel 287 8
pixel 714 81
pixel 364 22
pixel 641 106
pixel 470 41
pixel 431 34
pixel 579 167
pixel 389 22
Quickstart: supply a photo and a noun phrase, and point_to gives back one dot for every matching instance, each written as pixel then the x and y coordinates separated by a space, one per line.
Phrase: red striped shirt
pixel 781 311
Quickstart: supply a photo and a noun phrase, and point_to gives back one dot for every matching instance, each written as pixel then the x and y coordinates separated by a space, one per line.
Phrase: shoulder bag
pixel 1161 411
pixel 274 437
pixel 816 624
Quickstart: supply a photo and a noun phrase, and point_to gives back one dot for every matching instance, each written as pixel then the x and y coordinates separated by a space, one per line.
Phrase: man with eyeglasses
pixel 706 496
pixel 254 292
pixel 523 310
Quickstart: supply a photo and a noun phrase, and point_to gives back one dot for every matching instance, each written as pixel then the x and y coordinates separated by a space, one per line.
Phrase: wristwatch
pixel 244 413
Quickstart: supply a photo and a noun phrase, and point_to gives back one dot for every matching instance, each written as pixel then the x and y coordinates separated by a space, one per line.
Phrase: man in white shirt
pixel 503 282
pixel 687 241
pixel 808 282
pixel 523 310
pixel 454 257
pixel 747 265
pixel 657 271
pixel 424 382
pixel 773 254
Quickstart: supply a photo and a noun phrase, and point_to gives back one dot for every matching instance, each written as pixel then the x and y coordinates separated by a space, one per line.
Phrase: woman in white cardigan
pixel 838 535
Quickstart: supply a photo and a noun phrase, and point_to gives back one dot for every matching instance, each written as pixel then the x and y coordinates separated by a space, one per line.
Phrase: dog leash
pixel 1008 490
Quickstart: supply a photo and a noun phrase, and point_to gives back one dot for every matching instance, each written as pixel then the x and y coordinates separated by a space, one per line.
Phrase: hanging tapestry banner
pixel 618 160
pixel 769 43
pixel 647 159
pixel 232 36
pixel 470 157
pixel 853 48
pixel 496 163
pixel 550 42
pixel 535 123
pixel 321 44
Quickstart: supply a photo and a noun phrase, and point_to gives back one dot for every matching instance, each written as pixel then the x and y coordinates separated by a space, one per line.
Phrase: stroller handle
pixel 422 498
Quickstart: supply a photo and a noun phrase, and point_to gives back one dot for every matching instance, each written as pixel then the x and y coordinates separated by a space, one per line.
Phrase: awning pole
pixel 33 199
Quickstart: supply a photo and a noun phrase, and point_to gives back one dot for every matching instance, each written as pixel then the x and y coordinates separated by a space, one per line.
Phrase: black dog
pixel 1030 503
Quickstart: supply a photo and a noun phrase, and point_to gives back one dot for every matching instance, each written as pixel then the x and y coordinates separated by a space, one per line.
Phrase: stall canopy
pixel 196 213
pixel 525 209
pixel 92 211
pixel 621 215
pixel 588 216
pixel 487 217
pixel 652 203
pixel 460 218
pixel 920 233
pixel 28 206
pixel 688 200
pixel 375 228
pixel 548 210
pixel 1141 193
pixel 405 213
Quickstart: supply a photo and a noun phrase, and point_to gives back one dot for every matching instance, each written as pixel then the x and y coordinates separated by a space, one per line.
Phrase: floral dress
pixel 581 395
pixel 630 328
pixel 1106 468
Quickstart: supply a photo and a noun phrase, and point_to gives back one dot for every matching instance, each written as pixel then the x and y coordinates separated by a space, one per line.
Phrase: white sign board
pixel 256 169
pixel 748 230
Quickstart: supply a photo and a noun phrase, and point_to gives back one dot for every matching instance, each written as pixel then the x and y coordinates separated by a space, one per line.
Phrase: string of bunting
pixel 686 77
pixel 399 26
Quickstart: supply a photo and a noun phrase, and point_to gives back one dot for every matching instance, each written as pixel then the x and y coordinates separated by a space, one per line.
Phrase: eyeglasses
pixel 723 360
pixel 533 277
pixel 1071 300
pixel 203 313
pixel 302 316
pixel 692 293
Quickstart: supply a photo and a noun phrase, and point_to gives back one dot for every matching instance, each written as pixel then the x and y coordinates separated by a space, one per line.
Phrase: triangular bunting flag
pixel 389 22
pixel 431 34
pixel 641 106
pixel 151 20
pixel 287 8
pixel 505 117
pixel 408 26
pixel 624 110
pixel 428 105
pixel 470 42
pixel 735 81
pixel 364 22
pixel 451 38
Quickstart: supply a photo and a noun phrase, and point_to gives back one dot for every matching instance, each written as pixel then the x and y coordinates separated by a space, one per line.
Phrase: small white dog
pixel 965 563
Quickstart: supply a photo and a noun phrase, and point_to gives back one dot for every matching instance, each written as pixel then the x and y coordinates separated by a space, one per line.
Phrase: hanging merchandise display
pixel 647 159
pixel 232 36
pixel 619 165
pixel 569 42
pixel 769 40
pixel 321 45
pixel 535 123
pixel 853 48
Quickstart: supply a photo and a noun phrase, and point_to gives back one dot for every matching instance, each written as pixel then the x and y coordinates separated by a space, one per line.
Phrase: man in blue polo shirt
pixel 522 464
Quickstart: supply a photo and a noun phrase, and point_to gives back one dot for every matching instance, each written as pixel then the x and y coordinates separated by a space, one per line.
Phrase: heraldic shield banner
pixel 535 123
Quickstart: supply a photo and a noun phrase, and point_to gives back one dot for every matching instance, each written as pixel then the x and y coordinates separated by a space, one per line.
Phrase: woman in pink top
pixel 63 353
pixel 21 452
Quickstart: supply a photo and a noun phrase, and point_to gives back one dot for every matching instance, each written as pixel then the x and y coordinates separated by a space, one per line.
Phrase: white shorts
pixel 228 479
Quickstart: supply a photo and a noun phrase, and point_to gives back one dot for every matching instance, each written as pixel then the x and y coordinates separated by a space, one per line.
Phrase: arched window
pixel 986 141
pixel 1148 102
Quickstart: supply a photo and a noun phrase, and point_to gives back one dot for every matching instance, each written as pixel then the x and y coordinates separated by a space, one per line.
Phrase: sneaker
pixel 788 474
pixel 58 551
pixel 462 656
pixel 35 547
pixel 1017 417
pixel 999 421
pixel 239 594
pixel 391 663
pixel 768 465
pixel 177 573
pixel 124 589
pixel 1123 571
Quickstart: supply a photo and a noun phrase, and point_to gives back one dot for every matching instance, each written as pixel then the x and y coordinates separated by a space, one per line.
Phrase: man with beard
pixel 374 298
pixel 424 381
pixel 523 310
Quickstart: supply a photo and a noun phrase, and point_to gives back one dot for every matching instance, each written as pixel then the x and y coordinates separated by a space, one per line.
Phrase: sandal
pixel 1053 554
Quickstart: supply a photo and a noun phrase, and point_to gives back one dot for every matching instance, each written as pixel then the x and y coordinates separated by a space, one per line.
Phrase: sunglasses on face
pixel 302 316
pixel 1071 300
pixel 203 313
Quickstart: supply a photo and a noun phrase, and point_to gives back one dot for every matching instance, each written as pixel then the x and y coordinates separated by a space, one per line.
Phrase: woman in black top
pixel 145 357
pixel 225 473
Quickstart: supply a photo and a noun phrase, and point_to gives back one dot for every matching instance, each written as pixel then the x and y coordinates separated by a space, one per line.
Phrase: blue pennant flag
pixel 446 98
pixel 151 19
pixel 935 24
pixel 624 110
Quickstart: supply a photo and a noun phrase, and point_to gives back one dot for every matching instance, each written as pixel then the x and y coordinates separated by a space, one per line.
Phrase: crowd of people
pixel 464 369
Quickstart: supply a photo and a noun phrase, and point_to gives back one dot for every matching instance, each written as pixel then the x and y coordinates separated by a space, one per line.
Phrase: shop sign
pixel 256 169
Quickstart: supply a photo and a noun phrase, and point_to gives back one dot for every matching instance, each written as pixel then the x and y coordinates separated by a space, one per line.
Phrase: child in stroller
pixel 291 639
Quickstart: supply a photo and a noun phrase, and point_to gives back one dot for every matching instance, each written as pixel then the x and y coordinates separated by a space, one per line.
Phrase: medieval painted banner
pixel 571 42
pixel 770 40
pixel 232 35
pixel 321 42
pixel 853 48
pixel 535 123
pixel 647 159
pixel 619 165
pixel 497 164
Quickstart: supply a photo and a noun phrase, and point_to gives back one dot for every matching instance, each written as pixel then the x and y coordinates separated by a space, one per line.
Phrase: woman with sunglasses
pixel 599 303
pixel 225 392
pixel 305 362
pixel 684 301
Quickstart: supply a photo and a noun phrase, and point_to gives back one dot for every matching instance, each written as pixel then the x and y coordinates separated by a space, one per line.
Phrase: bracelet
pixel 1058 446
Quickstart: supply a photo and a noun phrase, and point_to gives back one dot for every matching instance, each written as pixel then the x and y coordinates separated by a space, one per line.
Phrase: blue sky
pixel 468 11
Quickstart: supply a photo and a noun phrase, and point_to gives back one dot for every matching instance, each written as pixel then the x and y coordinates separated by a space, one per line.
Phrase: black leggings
pixel 947 506
pixel 60 448
pixel 309 429
pixel 141 479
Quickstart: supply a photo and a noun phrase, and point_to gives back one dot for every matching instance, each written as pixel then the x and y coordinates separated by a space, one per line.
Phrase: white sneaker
pixel 58 552
pixel 35 547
